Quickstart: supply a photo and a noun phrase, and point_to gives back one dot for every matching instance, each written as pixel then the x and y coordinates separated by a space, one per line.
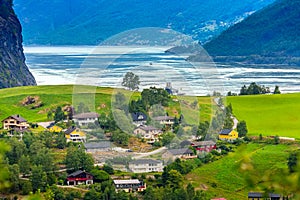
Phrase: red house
pixel 204 146
pixel 80 177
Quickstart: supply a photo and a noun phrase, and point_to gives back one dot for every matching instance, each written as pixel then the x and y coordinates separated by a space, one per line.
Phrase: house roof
pixel 147 128
pixel 77 173
pixel 130 181
pixel 145 161
pixel 180 151
pixel 51 125
pixel 138 116
pixel 204 143
pixel 159 118
pixel 70 130
pixel 185 143
pixel 271 195
pixel 98 145
pixel 225 131
pixel 86 115
pixel 254 195
pixel 17 117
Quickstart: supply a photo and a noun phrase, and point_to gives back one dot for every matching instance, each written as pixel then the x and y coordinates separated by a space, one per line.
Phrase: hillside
pixel 269 114
pixel 252 167
pixel 62 95
pixel 13 71
pixel 272 31
pixel 55 22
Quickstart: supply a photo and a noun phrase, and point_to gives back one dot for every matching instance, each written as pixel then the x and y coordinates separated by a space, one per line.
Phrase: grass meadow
pixel 269 115
pixel 252 167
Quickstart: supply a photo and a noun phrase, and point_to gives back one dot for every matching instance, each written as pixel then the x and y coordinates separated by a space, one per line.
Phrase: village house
pixel 139 118
pixel 74 134
pixel 83 119
pixel 15 122
pixel 131 185
pixel 184 153
pixel 261 196
pixel 101 146
pixel 145 165
pixel 204 146
pixel 164 120
pixel 54 129
pixel 80 177
pixel 150 133
pixel 228 134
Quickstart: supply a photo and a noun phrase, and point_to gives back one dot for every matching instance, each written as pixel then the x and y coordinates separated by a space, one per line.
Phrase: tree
pixel 131 81
pixel 76 159
pixel 59 114
pixel 242 128
pixel 175 179
pixel 82 108
pixel 24 164
pixel 14 172
pixel 38 178
pixel 292 162
pixel 202 129
pixel 276 90
pixel 108 169
pixel 190 190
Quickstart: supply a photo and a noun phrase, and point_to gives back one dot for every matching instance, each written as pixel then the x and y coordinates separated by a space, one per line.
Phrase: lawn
pixel 269 114
pixel 251 167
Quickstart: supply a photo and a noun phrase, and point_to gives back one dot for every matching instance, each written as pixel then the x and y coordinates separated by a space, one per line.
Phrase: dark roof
pixel 145 161
pixel 17 117
pixel 185 143
pixel 225 131
pixel 180 151
pixel 147 128
pixel 260 195
pixel 50 125
pixel 271 195
pixel 98 145
pixel 77 173
pixel 254 195
pixel 159 118
pixel 203 143
pixel 138 116
pixel 86 115
pixel 70 130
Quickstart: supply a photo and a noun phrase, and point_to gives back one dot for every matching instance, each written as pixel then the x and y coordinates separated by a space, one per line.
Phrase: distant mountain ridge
pixel 271 32
pixel 88 22
pixel 13 71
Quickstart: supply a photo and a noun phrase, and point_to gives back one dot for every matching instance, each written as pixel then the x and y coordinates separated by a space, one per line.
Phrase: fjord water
pixel 106 66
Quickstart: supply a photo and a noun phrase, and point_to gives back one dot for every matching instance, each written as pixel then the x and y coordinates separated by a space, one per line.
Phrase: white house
pixel 131 185
pixel 150 133
pixel 146 165
pixel 83 119
pixel 165 120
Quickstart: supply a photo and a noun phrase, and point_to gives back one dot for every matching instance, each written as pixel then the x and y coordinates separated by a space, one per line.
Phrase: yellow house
pixel 228 134
pixel 74 134
pixel 55 129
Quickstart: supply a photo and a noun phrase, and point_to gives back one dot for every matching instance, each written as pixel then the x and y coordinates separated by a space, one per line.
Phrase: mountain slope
pixel 55 22
pixel 13 71
pixel 273 31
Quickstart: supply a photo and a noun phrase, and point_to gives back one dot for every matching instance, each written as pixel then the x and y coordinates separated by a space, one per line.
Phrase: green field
pixel 98 99
pixel 231 177
pixel 269 114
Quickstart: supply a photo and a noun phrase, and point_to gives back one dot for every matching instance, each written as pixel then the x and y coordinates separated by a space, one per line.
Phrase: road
pixel 142 155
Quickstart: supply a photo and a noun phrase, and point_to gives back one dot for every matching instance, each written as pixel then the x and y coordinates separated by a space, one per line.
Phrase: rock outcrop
pixel 13 70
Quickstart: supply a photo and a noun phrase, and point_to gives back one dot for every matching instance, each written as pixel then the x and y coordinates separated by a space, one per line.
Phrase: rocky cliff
pixel 13 70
